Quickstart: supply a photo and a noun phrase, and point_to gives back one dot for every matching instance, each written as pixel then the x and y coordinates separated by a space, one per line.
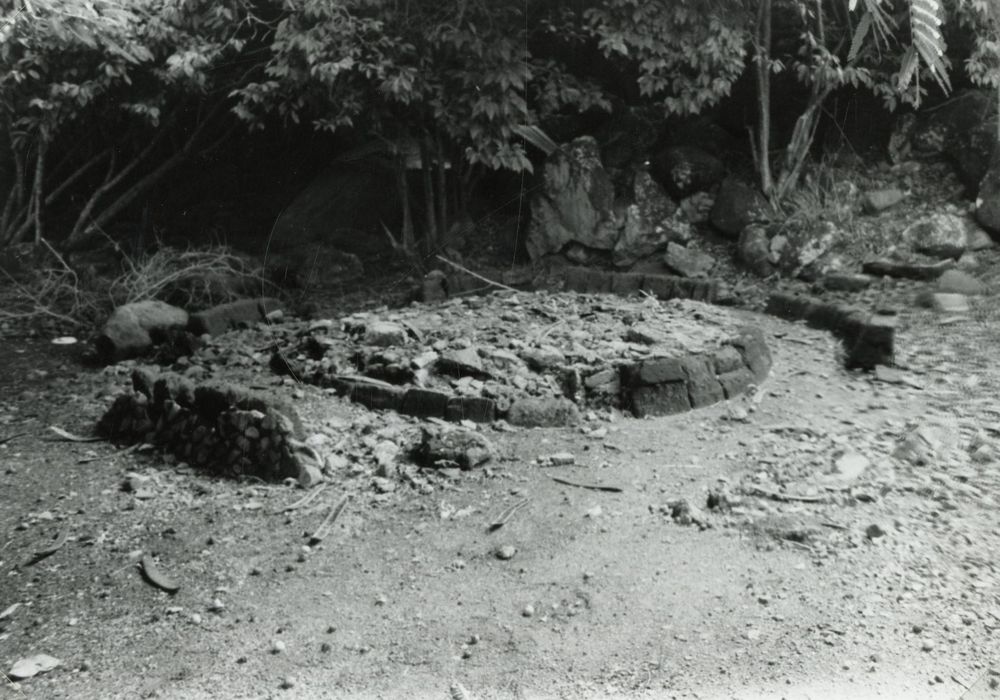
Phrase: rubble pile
pixel 223 428
pixel 530 360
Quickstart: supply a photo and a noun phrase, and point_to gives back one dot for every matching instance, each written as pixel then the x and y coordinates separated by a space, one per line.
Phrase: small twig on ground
pixel 304 500
pixel 592 487
pixel 5 440
pixel 327 523
pixel 66 435
pixel 506 514
pixel 467 271
pixel 777 496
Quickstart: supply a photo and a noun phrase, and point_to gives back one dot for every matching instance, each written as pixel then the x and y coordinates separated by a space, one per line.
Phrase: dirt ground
pixel 884 587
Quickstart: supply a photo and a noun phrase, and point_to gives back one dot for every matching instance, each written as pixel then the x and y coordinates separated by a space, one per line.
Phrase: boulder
pixel 385 334
pixel 754 250
pixel 575 203
pixel 650 223
pixel 988 201
pixel 688 262
pixel 342 208
pixel 942 236
pixel 447 447
pixel 684 170
pixel 962 129
pixel 127 332
pixel 794 250
pixel 804 246
pixel 737 205
pixel 958 282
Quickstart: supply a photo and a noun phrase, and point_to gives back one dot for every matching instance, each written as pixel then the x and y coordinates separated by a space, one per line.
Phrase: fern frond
pixel 925 33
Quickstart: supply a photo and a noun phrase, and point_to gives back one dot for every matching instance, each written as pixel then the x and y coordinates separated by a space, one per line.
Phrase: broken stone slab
pixel 462 362
pixel 226 317
pixel 944 302
pixel 906 270
pixel 548 412
pixel 130 329
pixel 958 282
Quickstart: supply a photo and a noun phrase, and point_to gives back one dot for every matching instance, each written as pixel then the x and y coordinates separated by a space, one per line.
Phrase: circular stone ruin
pixel 533 360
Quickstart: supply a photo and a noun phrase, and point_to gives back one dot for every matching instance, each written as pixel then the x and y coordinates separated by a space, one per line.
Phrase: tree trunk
pixel 39 185
pixel 430 237
pixel 409 240
pixel 762 37
pixel 442 186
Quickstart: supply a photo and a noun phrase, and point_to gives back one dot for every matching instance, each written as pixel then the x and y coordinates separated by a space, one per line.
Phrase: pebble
pixel 528 611
pixel 874 531
pixel 505 552
pixel 287 682
pixel 217 606
pixel 277 647
pixel 195 619
pixel 927 645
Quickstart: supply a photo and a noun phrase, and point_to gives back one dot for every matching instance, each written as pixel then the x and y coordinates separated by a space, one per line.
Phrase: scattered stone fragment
pixel 545 357
pixel 31 666
pixel 505 552
pixel 448 447
pixel 684 512
pixel 924 444
pixel 156 577
pixel 850 465
pixel 557 460
pixel 958 282
pixel 845 282
pixel 642 334
pixel 879 200
pixel 385 334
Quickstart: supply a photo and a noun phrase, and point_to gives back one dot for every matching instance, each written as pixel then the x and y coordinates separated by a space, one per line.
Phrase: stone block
pixel 736 382
pixel 424 403
pixel 703 388
pixel 663 399
pixel 474 408
pixel 543 412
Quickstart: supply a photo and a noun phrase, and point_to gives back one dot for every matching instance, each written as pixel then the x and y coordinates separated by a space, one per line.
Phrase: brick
pixel 663 399
pixel 626 283
pixel 703 388
pixel 660 286
pixel 543 412
pixel 474 408
pixel 657 370
pixel 575 278
pixel 378 396
pixel 424 403
pixel 736 382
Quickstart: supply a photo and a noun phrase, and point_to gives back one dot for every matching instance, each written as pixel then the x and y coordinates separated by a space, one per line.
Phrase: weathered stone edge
pixel 869 339
pixel 223 428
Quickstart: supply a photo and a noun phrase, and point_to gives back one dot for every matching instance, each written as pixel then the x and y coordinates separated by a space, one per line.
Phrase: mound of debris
pixel 531 360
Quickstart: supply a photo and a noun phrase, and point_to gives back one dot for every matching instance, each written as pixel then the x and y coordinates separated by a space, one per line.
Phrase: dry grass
pixel 194 278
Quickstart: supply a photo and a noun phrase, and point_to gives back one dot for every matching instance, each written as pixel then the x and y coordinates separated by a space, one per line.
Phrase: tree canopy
pixel 110 96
